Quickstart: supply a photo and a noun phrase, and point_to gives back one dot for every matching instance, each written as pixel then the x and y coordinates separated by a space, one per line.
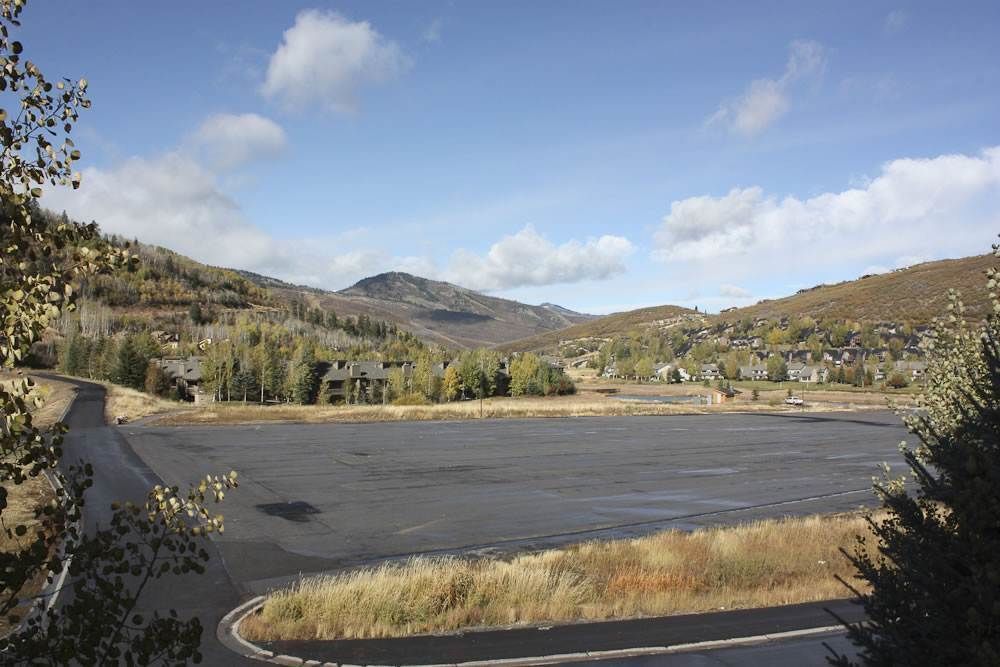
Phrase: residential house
pixel 814 374
pixel 665 373
pixel 709 372
pixel 753 372
pixel 914 369
pixel 185 373
pixel 360 381
pixel 794 369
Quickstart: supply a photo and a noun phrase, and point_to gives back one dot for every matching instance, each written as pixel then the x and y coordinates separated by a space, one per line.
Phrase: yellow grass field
pixel 584 404
pixel 135 404
pixel 759 564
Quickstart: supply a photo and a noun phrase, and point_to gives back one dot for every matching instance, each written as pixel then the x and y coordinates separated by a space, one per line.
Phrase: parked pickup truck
pixel 794 400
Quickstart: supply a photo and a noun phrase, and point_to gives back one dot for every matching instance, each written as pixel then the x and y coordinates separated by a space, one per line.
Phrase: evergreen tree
pixel 935 579
pixel 130 365
pixel 303 377
pixel 73 358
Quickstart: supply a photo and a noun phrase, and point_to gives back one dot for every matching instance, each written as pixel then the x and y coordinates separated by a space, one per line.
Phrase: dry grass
pixel 760 564
pixel 135 404
pixel 581 405
pixel 22 499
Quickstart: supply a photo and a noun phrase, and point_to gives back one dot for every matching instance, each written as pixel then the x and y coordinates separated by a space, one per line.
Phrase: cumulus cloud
pixel 766 100
pixel 527 258
pixel 177 202
pixel 950 201
pixel 226 141
pixel 324 59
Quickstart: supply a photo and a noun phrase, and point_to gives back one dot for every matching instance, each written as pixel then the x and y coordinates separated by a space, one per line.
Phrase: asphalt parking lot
pixel 317 497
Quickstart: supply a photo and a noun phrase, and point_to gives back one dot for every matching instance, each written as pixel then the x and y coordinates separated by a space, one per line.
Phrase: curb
pixel 228 633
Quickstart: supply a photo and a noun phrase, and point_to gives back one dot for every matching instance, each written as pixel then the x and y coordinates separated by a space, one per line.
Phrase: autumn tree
pixel 777 369
pixel 524 371
pixel 98 622
pixel 451 384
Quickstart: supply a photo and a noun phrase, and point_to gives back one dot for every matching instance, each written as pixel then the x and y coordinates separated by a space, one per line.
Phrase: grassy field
pixel 760 564
pixel 136 404
pixel 22 499
pixel 581 405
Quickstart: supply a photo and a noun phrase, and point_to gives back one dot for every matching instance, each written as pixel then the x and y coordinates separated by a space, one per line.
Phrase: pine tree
pixel 302 375
pixel 130 365
pixel 935 580
pixel 73 354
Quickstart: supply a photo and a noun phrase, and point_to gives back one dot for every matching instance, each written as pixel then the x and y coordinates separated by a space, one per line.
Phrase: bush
pixel 897 381
pixel 411 398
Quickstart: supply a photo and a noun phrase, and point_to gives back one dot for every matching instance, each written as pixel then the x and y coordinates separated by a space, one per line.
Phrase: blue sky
pixel 602 156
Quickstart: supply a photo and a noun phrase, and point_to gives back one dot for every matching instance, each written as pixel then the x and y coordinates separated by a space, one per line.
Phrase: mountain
pixel 435 311
pixel 914 295
pixel 608 326
pixel 450 314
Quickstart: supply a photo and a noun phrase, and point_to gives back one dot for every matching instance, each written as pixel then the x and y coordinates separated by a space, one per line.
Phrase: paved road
pixel 596 637
pixel 121 475
pixel 315 497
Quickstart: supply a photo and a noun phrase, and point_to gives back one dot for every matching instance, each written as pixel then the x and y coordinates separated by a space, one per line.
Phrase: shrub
pixel 936 576
pixel 411 398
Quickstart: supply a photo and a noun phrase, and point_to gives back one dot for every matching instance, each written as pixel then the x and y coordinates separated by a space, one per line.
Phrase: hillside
pixel 604 327
pixel 166 284
pixel 916 294
pixel 455 315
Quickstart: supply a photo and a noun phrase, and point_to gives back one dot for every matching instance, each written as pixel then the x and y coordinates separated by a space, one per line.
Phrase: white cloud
pixel 177 202
pixel 766 100
pixel 947 205
pixel 734 291
pixel 895 21
pixel 324 59
pixel 226 141
pixel 528 258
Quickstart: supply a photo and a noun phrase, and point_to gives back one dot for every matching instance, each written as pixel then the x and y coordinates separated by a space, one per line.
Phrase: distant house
pixel 360 379
pixel 185 373
pixel 914 369
pixel 709 372
pixel 814 374
pixel 723 395
pixel 666 371
pixel 753 372
pixel 803 356
pixel 794 369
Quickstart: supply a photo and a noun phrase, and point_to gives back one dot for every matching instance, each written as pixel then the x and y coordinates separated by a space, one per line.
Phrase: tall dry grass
pixel 760 564
pixel 494 408
pixel 134 404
